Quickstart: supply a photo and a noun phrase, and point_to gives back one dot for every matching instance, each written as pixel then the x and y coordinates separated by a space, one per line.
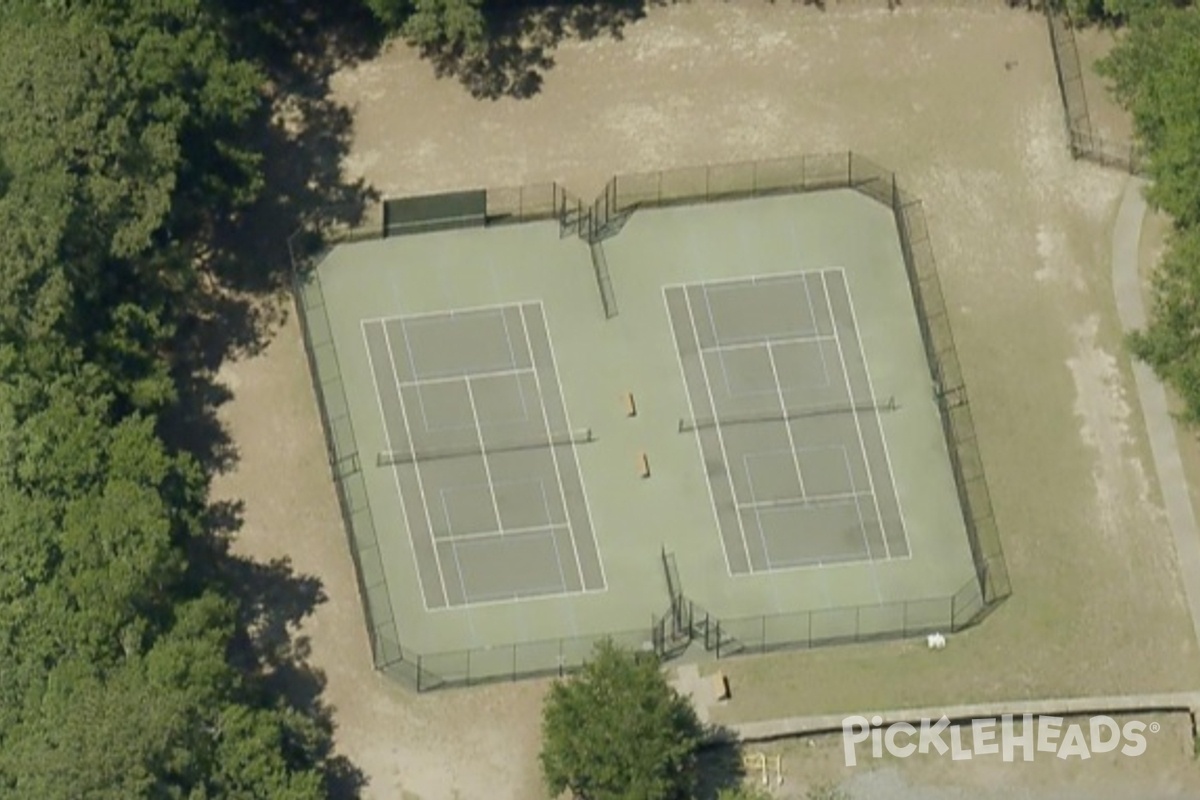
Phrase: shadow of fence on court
pixel 684 622
pixel 1085 143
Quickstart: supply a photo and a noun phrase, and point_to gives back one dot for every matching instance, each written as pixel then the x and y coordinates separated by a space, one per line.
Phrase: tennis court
pixel 483 455
pixel 521 469
pixel 787 421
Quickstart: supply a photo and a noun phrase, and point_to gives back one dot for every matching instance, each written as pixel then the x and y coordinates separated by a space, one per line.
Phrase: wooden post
pixel 644 465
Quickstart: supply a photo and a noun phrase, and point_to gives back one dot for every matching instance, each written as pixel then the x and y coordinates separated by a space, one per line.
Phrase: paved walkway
pixel 1159 427
pixel 1183 702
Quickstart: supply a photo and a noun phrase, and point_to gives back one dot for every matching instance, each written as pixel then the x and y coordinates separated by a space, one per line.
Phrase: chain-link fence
pixel 685 621
pixel 1085 143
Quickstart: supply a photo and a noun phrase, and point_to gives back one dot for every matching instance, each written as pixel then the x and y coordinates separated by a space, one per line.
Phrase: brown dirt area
pixel 1022 237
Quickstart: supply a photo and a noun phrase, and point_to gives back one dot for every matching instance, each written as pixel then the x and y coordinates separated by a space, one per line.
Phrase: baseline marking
pixel 749 344
pixel 455 377
pixel 509 533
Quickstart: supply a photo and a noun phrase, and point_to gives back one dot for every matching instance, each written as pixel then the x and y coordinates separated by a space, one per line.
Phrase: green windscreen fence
pixel 434 212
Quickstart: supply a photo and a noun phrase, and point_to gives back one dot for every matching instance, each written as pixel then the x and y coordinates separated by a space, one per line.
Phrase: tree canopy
pixel 125 130
pixel 1155 73
pixel 617 730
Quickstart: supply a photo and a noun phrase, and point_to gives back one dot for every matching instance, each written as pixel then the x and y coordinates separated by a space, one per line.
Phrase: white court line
pixel 857 425
pixel 487 468
pixel 412 363
pixel 692 412
pixel 818 561
pixel 562 491
pixel 717 420
pixel 444 492
pixel 814 501
pixel 878 420
pixel 753 505
pixel 749 344
pixel 512 354
pixel 787 425
pixel 812 314
pixel 387 437
pixel 712 326
pixel 416 466
pixel 574 448
pixel 806 277
pixel 456 378
pixel 764 277
pixel 508 534
pixel 462 583
pixel 544 590
pixel 862 526
pixel 451 313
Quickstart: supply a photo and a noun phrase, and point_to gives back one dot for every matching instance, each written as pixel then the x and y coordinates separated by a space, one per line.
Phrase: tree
pixel 1171 343
pixel 1155 71
pixel 618 731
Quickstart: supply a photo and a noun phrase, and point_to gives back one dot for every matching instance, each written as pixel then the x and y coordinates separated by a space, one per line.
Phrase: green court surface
pixel 784 409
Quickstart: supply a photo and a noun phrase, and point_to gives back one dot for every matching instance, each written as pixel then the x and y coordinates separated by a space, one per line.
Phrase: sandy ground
pixel 963 103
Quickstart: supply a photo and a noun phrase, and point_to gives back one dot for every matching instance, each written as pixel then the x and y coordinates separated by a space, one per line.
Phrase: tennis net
pixel 698 423
pixel 389 458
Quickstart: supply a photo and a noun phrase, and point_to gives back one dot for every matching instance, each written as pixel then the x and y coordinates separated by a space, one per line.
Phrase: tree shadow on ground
pixel 720 764
pixel 272 600
pixel 520 37
pixel 244 271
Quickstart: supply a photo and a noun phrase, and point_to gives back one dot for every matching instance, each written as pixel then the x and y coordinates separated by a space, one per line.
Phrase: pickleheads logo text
pixel 1007 737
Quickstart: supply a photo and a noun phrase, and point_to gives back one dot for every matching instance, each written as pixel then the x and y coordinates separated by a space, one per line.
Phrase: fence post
pixel 718 639
pixel 849 167
pixel 514 662
pixel 764 633
pixel 754 178
pixel 809 613
pixel 560 658
pixel 418 673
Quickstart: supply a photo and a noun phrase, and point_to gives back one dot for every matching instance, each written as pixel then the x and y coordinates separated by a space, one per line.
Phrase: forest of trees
pixel 131 142
pixel 141 165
